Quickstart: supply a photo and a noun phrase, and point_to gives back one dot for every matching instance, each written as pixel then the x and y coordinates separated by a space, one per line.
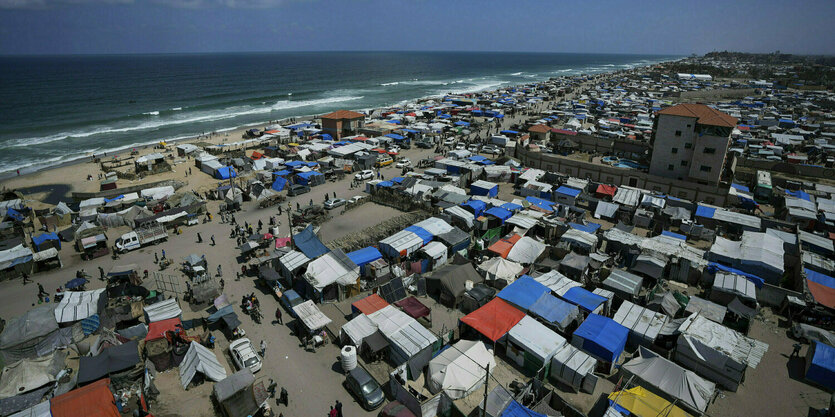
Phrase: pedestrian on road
pixel 796 350
pixel 199 238
pixel 26 278
pixel 263 348
pixel 219 272
pixel 40 298
pixel 213 240
pixel 271 388
pixel 279 209
pixel 163 254
pixel 278 315
pixel 41 290
pixel 332 413
pixel 284 397
pixel 338 409
pixel 222 284
pixel 101 273
pixel 311 202
pixel 156 258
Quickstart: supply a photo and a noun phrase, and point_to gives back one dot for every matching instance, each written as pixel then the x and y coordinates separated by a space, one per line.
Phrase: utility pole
pixel 290 224
pixel 486 380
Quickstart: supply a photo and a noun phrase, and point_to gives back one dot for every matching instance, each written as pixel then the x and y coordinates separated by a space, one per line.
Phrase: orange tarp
pixel 94 400
pixel 257 155
pixel 494 319
pixel 503 246
pixel 821 293
pixel 157 329
pixel 606 189
pixel 369 304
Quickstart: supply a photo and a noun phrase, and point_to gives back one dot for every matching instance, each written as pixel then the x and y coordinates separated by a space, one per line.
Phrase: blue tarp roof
pixel 799 194
pixel 675 235
pixel 410 130
pixel 514 409
pixel 394 136
pixel 364 256
pixel 523 292
pixel 740 187
pixel 477 158
pixel 224 173
pixel 584 298
pixel 308 175
pixel 43 237
pixel 510 132
pixel 602 337
pixel 279 183
pixel 822 368
pixel 293 163
pixel 552 309
pixel 541 203
pixel 299 126
pixel 15 215
pixel 421 232
pixel 478 206
pixel 499 212
pixel 444 116
pixel 573 192
pixel 394 122
pixel 712 267
pixel 309 244
pixel 819 278
pixel 461 123
pixel 385 184
pixel 511 206
pixel 398 179
pixel 702 211
pixel 588 228
pixel 282 173
pixel 327 136
pixel 107 200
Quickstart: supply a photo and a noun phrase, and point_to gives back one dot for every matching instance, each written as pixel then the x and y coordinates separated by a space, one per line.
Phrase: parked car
pixel 403 163
pixel 365 174
pixel 365 388
pixel 449 142
pixel 424 144
pixel 473 148
pixel 356 199
pixel 384 160
pixel 491 149
pixel 244 355
pixel 394 150
pixel 396 409
pixel 298 189
pixel 290 299
pixel 334 203
pixel 460 146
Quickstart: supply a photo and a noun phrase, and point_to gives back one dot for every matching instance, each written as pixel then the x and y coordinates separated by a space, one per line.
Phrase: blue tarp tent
pixel 509 132
pixel 712 267
pixel 307 178
pixel 515 409
pixel 309 244
pixel 706 212
pixel 601 337
pixel 293 164
pixel 511 207
pixel 740 187
pixel 554 310
pixel 107 200
pixel 476 206
pixel 477 158
pixel 15 215
pixel 364 256
pixel 799 194
pixel 43 237
pixel 523 292
pixel 327 136
pixel 819 278
pixel 385 184
pixel 421 232
pixel 217 315
pixel 279 183
pixel 394 136
pixel 541 203
pixel 461 123
pixel 571 192
pixel 499 212
pixel 224 173
pixel 584 298
pixel 282 173
pixel 484 188
pixel 588 228
pixel 671 234
pixel 821 368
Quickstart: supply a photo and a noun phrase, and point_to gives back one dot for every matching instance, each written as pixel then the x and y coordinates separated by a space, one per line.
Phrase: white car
pixel 244 355
pixel 449 142
pixel 403 163
pixel 355 199
pixel 473 148
pixel 365 174
pixel 493 150
pixel 460 146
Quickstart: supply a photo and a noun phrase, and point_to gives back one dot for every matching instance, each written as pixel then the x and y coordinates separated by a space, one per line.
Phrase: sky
pixel 587 26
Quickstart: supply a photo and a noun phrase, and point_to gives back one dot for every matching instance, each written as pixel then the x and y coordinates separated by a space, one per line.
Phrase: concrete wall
pixel 671 156
pixel 787 168
pixel 710 194
pixel 588 143
pixel 773 296
pixel 715 161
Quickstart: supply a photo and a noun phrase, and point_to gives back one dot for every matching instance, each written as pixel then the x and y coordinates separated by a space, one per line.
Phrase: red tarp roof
pixel 606 189
pixel 413 307
pixel 157 329
pixel 822 294
pixel 494 319
pixel 503 246
pixel 370 304
pixel 94 400
pixel 257 155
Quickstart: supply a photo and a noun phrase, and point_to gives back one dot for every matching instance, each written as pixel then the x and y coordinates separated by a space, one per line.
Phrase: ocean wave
pixel 176 109
pixel 517 73
pixel 476 87
pixel 152 113
pixel 389 84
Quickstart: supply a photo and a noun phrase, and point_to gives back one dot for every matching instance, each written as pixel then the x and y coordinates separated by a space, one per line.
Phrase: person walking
pixel 156 258
pixel 199 238
pixel 213 240
pixel 338 408
pixel 26 278
pixel 41 291
pixel 101 273
pixel 278 315
pixel 219 271
pixel 163 254
pixel 796 350
pixel 263 348
pixel 332 413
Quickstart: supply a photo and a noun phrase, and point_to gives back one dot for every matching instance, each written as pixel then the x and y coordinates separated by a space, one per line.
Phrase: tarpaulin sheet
pixel 571 192
pixel 503 246
pixel 712 267
pixel 606 190
pixel 43 237
pixel 369 304
pixel 584 298
pixel 199 358
pixel 514 409
pixel 588 228
pixel 822 367
pixel 821 286
pixel 493 319
pixel 225 173
pixel 156 330
pixel 425 236
pixel 674 235
pixel 476 206
pixel 413 307
pixel 279 184
pixel 638 401
pixel 546 205
pixel 707 212
pixel 110 360
pixel 602 337
pixel 554 310
pixel 523 292
pixel 94 400
pixel 309 244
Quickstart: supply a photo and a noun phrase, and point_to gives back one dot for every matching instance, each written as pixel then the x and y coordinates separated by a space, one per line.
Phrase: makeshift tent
pixel 111 360
pixel 409 341
pixel 484 188
pixel 368 304
pixel 357 329
pixel 200 359
pixel 514 409
pixel 224 173
pixel 557 282
pixel 523 292
pixel 555 311
pixel 494 319
pixel 460 370
pixel 78 305
pixel 33 334
pixel 643 323
pixel 413 307
pixel 437 253
pixel 601 337
pixel 163 310
pixel 499 213
pixel 625 285
pixel 638 401
pixel 332 267
pixel 27 375
pixel 402 243
pixel 279 183
pixel 503 246
pixel 605 210
pixel 40 410
pixel 526 250
pixel 308 243
pixel 364 256
pixel 532 345
pixel 760 254
pixel 580 238
pixel 821 286
pixel 500 268
pixel 311 316
pixel 820 364
pixel 17 255
pixel 235 394
pixel 671 381
pixel 584 298
pixel 94 400
pixel 454 281
pixel 573 367
pixel 46 240
pixel 157 329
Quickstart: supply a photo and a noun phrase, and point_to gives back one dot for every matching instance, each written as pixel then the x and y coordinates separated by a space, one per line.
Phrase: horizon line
pixel 88 54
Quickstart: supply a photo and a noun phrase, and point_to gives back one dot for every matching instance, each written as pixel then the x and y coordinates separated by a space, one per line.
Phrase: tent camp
pixel 820 364
pixel 30 374
pixel 500 268
pixel 33 334
pixel 333 268
pixel 494 319
pixel 78 305
pixel 523 293
pixel 111 360
pixel 760 254
pixel 460 370
pixel 670 381
pixel 163 310
pixel 602 338
pixel 409 341
pixel 200 359
pixel 235 394
pixel 453 281
pixel 532 345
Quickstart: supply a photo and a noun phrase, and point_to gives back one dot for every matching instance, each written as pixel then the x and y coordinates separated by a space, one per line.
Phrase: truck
pixel 141 237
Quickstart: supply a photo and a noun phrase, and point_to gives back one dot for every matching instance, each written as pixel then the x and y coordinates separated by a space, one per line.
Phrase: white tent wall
pixel 574 367
pixel 163 310
pixel 198 358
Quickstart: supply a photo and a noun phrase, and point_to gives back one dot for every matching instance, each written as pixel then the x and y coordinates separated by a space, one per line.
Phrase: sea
pixel 56 109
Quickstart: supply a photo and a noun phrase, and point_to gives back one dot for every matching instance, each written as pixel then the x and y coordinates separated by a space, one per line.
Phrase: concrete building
pixel 540 132
pixel 690 143
pixel 342 123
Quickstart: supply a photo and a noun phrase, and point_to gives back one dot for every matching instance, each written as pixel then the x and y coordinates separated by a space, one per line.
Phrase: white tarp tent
pixel 643 323
pixel 571 366
pixel 557 282
pixel 402 243
pixel 332 267
pixel 163 310
pixel 30 374
pixel 434 226
pixel 14 256
pixel 311 316
pixel 358 329
pixel 461 369
pixel 526 250
pixel 43 409
pixel 500 268
pixel 407 338
pixel 536 339
pixel 670 380
pixel 580 238
pixel 199 358
pixel 461 214
pixel 78 305
pixel 760 254
pixel 437 252
pixel 157 193
pixel 605 210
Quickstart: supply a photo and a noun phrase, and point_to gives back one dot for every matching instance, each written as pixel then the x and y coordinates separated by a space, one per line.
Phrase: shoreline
pixel 144 149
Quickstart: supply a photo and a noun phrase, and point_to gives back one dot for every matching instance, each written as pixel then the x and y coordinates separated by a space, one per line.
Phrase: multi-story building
pixel 690 142
pixel 342 123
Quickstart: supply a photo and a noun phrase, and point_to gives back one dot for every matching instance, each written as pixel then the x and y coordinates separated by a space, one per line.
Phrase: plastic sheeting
pixel 110 360
pixel 309 244
pixel 536 339
pixel 163 310
pixel 601 337
pixel 500 268
pixel 30 374
pixel 584 298
pixel 643 323
pixel 664 376
pixel 570 365
pixel 199 358
pixel 94 400
pixel 820 364
pixel 358 329
pixel 526 250
pixel 557 282
pixel 493 319
pixel 402 243
pixel 78 305
pixel 523 292
pixel 332 267
pixel 555 311
pixel 311 316
pixel 14 256
pixel 460 370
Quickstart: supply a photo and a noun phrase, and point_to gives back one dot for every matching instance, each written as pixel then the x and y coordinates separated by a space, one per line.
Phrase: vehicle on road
pixel 449 142
pixel 394 150
pixel 365 174
pixel 355 199
pixel 141 237
pixel 491 149
pixel 424 144
pixel 334 203
pixel 298 189
pixel 365 388
pixel 403 163
pixel 290 299
pixel 244 355
pixel 384 160
pixel 473 148
pixel 460 146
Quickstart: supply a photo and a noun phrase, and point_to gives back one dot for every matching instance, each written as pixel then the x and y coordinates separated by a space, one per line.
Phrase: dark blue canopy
pixel 309 244
pixel 364 256
pixel 584 298
pixel 43 237
pixel 279 183
pixel 602 337
pixel 477 206
pixel 394 136
pixel 424 235
pixel 499 212
pixel 523 292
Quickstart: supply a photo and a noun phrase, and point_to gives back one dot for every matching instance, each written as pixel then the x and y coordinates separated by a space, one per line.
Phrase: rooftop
pixel 704 115
pixel 343 114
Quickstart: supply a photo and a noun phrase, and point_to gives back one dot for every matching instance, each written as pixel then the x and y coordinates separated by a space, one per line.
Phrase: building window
pixel 670 167
pixel 678 133
pixel 710 150
pixel 688 145
pixel 705 168
pixel 688 125
pixel 675 150
pixel 684 163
